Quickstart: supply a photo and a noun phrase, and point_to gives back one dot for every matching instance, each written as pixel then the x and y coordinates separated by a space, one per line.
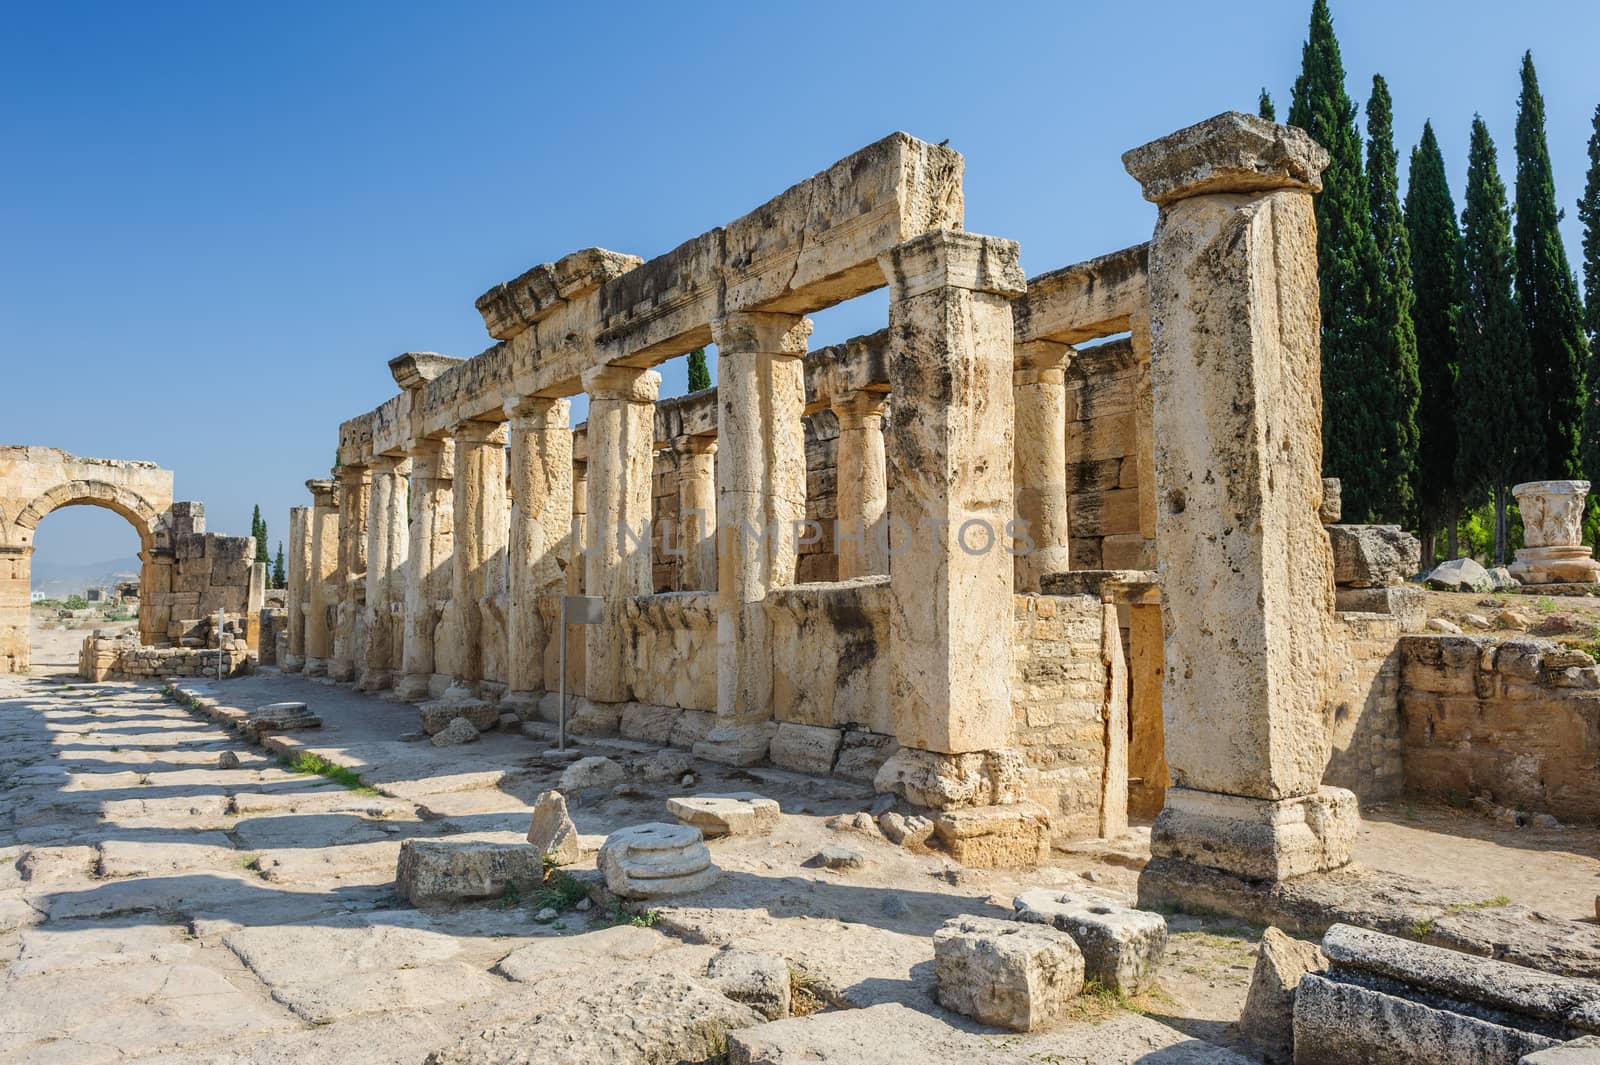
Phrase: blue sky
pixel 220 221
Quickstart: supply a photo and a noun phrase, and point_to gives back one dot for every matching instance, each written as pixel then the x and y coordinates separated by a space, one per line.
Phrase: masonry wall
pixel 830 654
pixel 673 637
pixel 1102 459
pixel 1364 707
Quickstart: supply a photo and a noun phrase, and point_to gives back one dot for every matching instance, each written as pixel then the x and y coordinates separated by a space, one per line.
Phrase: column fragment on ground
pixel 299 569
pixel 950 366
pixel 321 593
pixel 428 564
pixel 479 507
pixel 861 536
pixel 388 542
pixel 696 458
pixel 541 520
pixel 1246 570
pixel 1039 385
pixel 354 485
pixel 761 494
pixel 617 549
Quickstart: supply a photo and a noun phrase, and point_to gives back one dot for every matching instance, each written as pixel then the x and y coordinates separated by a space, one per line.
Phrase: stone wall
pixel 673 638
pixel 830 654
pixel 1363 707
pixel 1516 720
pixel 1102 458
pixel 112 658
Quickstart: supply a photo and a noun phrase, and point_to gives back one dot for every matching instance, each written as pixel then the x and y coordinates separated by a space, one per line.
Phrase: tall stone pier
pixel 541 520
pixel 321 595
pixel 1246 571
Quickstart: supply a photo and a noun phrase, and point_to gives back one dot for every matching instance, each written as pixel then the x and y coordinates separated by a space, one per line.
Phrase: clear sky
pixel 219 221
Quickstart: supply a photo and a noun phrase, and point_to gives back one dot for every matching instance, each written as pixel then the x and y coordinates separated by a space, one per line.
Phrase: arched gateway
pixel 37 480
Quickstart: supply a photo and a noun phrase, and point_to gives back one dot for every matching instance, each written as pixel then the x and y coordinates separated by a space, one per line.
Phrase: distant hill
pixel 59 580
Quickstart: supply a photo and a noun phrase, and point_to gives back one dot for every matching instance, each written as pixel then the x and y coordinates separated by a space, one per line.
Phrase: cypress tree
pixel 1547 294
pixel 1264 106
pixel 1495 392
pixel 1356 399
pixel 1394 336
pixel 258 529
pixel 280 576
pixel 1589 215
pixel 1436 284
pixel 699 372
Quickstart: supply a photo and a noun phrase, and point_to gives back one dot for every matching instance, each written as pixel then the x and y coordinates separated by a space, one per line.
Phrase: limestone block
pixel 588 718
pixel 1585 1051
pixel 1268 1016
pixel 591 772
pixel 457 732
pixel 1232 152
pixel 1372 556
pixel 805 748
pixel 760 981
pixel 437 716
pixel 738 745
pixel 1460 575
pixel 648 722
pixel 433 871
pixel 552 832
pixel 279 717
pixel 1258 838
pixel 1122 947
pixel 907 831
pixel 1004 973
pixel 942 781
pixel 691 727
pixel 862 754
pixel 1013 835
pixel 1332 508
pixel 656 860
pixel 742 813
pixel 1406 602
pixel 666 765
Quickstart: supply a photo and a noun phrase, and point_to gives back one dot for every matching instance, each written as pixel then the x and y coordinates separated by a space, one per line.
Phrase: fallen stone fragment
pixel 591 772
pixel 1460 575
pixel 433 871
pixel 1268 1016
pixel 457 732
pixel 1122 947
pixel 840 857
pixel 908 830
pixel 656 860
pixel 1585 1051
pixel 1006 973
pixel 760 981
pixel 227 760
pixel 1010 835
pixel 278 717
pixel 666 765
pixel 741 813
pixel 1372 556
pixel 552 832
pixel 861 822
pixel 436 716
pixel 1449 628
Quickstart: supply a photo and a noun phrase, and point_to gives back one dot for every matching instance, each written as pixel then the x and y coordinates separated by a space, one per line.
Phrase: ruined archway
pixel 34 481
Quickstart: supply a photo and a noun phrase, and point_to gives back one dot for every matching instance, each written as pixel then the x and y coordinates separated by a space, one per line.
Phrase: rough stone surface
pixel 742 813
pixel 444 871
pixel 656 860
pixel 1268 1016
pixel 839 857
pixel 760 981
pixel 1121 947
pixel 1373 556
pixel 1460 575
pixel 805 748
pixel 1233 152
pixel 1013 835
pixel 907 830
pixel 458 731
pixel 552 832
pixel 594 771
pixel 436 716
pixel 1005 973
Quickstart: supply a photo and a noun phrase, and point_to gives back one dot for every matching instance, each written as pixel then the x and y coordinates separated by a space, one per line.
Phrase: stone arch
pixel 141 514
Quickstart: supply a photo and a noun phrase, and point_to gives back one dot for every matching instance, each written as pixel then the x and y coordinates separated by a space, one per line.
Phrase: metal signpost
pixel 575 610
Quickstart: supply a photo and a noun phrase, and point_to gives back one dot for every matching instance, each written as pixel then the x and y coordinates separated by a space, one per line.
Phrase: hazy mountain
pixel 60 579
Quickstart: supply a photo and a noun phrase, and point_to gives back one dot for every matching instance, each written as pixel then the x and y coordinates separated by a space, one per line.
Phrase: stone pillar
pixel 428 565
pixel 1039 387
pixel 950 365
pixel 761 494
pixel 16 565
pixel 299 563
pixel 479 506
pixel 1144 434
pixel 1246 571
pixel 355 485
pixel 1552 523
pixel 541 518
pixel 323 569
pixel 697 511
pixel 617 546
pixel 861 535
pixel 387 544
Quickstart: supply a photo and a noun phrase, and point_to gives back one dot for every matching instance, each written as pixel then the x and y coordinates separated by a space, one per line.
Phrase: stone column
pixel 299 563
pixel 861 536
pixel 761 494
pixel 1039 387
pixel 697 511
pixel 387 544
pixel 16 565
pixel 541 518
pixel 324 568
pixel 479 506
pixel 1246 571
pixel 1144 433
pixel 617 560
pixel 427 564
pixel 355 485
pixel 950 361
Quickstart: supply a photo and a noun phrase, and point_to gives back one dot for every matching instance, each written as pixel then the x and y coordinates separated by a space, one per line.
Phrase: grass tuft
pixel 316 765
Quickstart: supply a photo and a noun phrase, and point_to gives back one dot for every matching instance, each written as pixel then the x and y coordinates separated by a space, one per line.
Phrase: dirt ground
pixel 155 907
pixel 1573 619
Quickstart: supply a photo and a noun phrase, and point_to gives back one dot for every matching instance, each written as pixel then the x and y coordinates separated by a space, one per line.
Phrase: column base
pixel 341 672
pixel 412 688
pixel 375 680
pixel 460 691
pixel 292 663
pixel 524 704
pixel 1259 839
pixel 738 745
pixel 1556 565
pixel 316 667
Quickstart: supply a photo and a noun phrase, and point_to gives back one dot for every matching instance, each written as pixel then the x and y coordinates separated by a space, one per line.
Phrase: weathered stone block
pixel 1268 1017
pixel 552 832
pixel 457 732
pixel 1122 947
pixel 434 871
pixel 760 981
pixel 733 814
pixel 648 722
pixel 1372 556
pixel 436 716
pixel 656 860
pixel 1013 835
pixel 594 771
pixel 805 748
pixel 1004 973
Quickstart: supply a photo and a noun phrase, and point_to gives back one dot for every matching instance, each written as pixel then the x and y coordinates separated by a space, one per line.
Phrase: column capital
pixel 627 383
pixel 350 475
pixel 1231 152
pixel 688 444
pixel 857 407
pixel 764 332
pixel 322 492
pixel 387 464
pixel 537 413
pixel 945 258
pixel 1038 356
pixel 476 431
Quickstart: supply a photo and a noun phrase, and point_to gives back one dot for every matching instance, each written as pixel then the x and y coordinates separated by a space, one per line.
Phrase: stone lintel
pixel 416 368
pixel 1086 300
pixel 692 415
pixel 1230 152
pixel 1132 587
pixel 947 258
pixel 512 306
